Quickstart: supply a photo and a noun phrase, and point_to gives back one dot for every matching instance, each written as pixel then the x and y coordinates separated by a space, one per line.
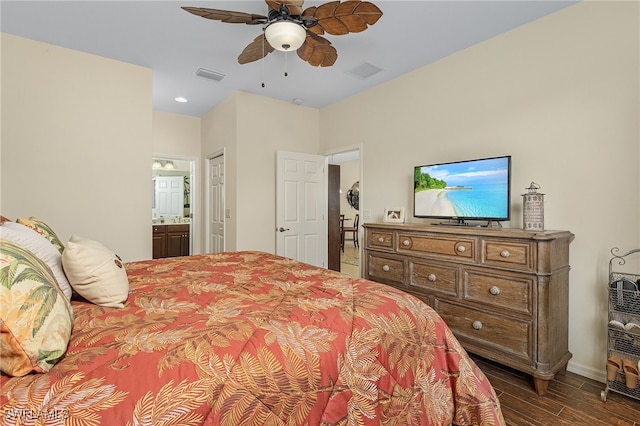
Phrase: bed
pixel 251 338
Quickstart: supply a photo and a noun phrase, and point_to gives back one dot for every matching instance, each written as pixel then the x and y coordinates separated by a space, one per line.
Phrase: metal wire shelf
pixel 623 340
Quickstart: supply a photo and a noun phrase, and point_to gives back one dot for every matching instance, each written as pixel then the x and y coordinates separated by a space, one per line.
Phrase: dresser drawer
pixel 379 239
pixel 452 247
pixel 385 269
pixel 513 291
pixel 488 329
pixel 433 277
pixel 508 254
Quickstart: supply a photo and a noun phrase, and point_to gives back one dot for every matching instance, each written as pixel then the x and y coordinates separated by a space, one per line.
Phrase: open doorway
pixel 349 159
pixel 172 184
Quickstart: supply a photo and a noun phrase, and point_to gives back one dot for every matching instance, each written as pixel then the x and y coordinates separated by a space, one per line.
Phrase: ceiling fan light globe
pixel 285 35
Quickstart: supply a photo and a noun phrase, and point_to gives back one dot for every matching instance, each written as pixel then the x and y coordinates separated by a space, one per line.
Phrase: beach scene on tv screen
pixel 467 189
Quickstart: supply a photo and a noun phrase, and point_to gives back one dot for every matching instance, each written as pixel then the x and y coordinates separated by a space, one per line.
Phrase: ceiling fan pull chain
pixel 263 61
pixel 285 63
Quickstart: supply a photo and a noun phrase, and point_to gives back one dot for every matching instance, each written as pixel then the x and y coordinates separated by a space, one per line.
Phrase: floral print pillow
pixel 43 229
pixel 35 317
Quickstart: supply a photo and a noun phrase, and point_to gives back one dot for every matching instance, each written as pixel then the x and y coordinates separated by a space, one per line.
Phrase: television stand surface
pixel 462 222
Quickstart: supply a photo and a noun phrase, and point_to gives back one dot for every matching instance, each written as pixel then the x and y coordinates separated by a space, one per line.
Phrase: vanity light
pixel 163 164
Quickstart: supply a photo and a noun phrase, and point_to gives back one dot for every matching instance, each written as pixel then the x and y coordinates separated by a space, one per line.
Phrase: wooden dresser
pixel 503 292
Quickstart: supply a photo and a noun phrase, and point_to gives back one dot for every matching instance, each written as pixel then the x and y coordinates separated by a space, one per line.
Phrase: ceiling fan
pixel 288 27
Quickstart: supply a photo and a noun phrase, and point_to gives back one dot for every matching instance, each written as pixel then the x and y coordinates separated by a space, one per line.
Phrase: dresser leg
pixel 541 385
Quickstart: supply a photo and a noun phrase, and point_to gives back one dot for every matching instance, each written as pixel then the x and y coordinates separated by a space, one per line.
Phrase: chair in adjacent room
pixel 353 230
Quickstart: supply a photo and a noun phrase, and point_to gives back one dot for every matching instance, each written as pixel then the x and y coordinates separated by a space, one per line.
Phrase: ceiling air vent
pixel 211 75
pixel 365 70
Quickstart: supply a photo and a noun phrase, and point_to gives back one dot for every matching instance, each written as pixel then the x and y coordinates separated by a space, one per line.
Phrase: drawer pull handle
pixel 477 325
pixel 406 242
pixel 504 253
pixel 385 268
pixel 494 290
pixel 381 239
pixel 431 277
pixel 461 249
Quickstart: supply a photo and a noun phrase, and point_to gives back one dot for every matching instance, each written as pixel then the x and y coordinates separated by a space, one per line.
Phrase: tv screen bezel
pixel 461 219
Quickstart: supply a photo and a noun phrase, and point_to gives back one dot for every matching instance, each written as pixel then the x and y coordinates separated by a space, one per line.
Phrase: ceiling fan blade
pixel 228 16
pixel 339 18
pixel 294 6
pixel 317 51
pixel 257 49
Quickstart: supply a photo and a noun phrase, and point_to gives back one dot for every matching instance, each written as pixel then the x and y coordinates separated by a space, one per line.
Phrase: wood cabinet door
pixel 174 244
pixel 159 241
pixel 184 250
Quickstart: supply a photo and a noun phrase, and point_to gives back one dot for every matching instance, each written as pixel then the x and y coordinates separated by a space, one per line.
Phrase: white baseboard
pixel 588 372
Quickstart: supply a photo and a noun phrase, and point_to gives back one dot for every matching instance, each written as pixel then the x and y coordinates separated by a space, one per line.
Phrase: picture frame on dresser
pixel 393 215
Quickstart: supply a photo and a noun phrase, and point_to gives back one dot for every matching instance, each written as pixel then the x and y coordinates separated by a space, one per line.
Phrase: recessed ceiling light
pixel 181 99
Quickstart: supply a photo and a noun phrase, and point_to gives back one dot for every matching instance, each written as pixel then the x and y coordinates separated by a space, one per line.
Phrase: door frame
pixel 207 202
pixel 344 149
pixel 194 201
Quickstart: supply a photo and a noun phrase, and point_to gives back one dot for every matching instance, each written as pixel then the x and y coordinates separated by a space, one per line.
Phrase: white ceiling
pixel 173 43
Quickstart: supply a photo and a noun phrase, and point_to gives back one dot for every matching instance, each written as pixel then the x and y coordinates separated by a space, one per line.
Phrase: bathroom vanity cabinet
pixel 171 240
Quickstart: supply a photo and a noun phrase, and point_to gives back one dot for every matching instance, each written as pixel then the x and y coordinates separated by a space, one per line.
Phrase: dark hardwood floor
pixel 571 400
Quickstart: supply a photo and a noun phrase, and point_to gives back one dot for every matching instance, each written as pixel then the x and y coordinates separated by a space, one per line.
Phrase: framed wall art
pixel 394 215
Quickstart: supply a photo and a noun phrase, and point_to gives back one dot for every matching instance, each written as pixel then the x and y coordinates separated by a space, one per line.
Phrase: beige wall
pixel 76 144
pixel 219 134
pixel 561 95
pixel 175 134
pixel 178 136
pixel 251 129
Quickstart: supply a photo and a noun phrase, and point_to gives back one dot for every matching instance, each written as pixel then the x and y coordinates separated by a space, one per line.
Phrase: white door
pixel 169 196
pixel 301 207
pixel 216 205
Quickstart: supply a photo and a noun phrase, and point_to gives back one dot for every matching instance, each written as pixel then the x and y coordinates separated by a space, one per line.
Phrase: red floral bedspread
pixel 251 338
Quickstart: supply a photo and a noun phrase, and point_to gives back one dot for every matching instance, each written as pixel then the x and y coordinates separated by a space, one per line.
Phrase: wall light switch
pixel 227 214
pixel 366 214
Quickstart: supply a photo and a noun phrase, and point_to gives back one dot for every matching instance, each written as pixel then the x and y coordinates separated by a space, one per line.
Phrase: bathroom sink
pixel 170 223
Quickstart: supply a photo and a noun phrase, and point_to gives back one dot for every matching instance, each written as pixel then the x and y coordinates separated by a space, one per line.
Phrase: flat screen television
pixel 464 190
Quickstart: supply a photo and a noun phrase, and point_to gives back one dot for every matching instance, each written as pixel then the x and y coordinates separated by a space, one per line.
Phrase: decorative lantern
pixel 533 209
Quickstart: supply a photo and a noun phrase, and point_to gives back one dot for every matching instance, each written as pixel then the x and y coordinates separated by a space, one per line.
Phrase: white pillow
pixel 95 272
pixel 41 248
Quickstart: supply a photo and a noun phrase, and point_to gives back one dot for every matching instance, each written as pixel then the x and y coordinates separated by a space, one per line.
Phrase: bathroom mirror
pixel 171 190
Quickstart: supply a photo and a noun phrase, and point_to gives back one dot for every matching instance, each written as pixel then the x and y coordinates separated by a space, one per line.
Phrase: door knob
pixel 281 229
